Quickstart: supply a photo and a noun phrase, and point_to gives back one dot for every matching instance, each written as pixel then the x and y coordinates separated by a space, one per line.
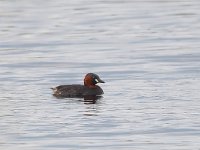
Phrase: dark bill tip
pixel 101 81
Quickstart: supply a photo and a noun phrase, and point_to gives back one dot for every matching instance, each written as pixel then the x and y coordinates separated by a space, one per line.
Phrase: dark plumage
pixel 76 90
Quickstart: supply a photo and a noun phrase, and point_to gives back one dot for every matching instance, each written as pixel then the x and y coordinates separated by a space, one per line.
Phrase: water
pixel 146 51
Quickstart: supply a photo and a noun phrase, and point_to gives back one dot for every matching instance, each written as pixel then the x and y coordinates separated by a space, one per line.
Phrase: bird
pixel 88 89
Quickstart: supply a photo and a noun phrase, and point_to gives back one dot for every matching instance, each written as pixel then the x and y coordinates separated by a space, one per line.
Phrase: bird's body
pixel 77 90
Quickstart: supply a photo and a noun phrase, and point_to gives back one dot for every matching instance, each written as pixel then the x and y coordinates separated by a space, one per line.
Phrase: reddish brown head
pixel 92 79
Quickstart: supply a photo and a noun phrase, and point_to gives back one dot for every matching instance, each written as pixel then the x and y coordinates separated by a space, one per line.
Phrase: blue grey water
pixel 147 51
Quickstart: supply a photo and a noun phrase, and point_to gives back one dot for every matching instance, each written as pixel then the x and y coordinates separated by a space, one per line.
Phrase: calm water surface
pixel 148 52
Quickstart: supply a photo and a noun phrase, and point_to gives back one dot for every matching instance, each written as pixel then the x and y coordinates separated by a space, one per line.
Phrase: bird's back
pixel 76 90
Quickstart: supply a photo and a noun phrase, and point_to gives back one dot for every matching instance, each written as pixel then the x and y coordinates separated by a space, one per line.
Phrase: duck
pixel 89 88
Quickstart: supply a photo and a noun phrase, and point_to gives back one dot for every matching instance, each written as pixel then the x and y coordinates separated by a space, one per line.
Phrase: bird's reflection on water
pixel 87 99
pixel 91 99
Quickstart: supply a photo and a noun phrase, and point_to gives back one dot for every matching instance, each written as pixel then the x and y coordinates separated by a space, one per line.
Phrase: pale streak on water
pixel 148 52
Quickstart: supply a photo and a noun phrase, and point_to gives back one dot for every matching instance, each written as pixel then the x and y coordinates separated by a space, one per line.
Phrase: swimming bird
pixel 77 90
